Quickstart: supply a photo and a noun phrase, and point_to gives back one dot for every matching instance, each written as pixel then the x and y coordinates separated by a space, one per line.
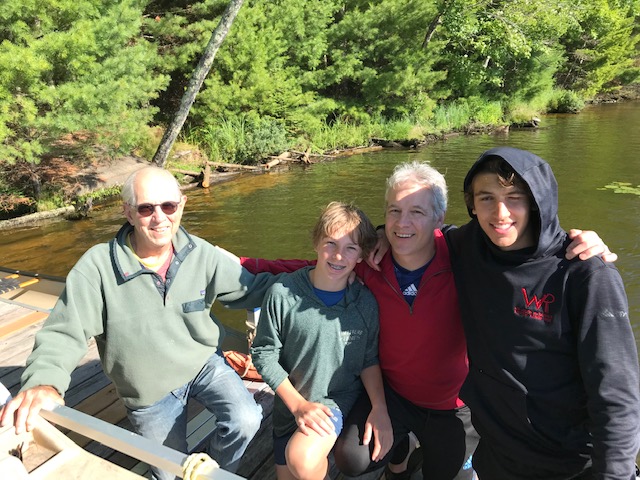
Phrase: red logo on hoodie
pixel 536 308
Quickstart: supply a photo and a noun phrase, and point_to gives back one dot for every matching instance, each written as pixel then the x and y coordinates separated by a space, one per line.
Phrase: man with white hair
pixel 146 297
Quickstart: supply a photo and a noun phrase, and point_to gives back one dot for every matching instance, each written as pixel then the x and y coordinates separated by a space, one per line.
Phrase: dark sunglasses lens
pixel 145 209
pixel 169 207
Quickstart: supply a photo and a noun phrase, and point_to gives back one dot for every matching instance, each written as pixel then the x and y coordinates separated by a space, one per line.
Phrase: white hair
pixel 421 173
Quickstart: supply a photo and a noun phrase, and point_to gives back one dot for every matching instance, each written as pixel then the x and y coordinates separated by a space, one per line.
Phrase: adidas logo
pixel 410 291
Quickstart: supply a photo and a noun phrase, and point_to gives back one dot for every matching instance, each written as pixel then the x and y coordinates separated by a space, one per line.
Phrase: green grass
pixel 247 139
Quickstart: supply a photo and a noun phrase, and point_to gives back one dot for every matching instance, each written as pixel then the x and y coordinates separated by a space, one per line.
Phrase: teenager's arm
pixel 378 423
pixel 259 265
pixel 608 360
pixel 309 415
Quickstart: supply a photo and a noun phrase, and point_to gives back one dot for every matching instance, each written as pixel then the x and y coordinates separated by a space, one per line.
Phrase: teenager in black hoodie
pixel 553 384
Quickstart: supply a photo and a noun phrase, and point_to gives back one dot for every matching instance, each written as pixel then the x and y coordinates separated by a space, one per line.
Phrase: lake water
pixel 271 215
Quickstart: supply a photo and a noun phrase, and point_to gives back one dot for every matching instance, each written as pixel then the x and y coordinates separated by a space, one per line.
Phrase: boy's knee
pixel 306 464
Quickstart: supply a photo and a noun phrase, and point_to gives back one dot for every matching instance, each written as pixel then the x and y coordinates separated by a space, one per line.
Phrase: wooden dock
pixel 91 392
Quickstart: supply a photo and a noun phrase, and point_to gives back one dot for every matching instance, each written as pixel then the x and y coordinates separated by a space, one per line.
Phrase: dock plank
pixel 9 312
pixel 9 327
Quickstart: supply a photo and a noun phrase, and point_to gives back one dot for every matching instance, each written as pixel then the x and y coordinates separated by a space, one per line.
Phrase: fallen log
pixel 286 159
pixel 358 150
pixel 309 154
pixel 34 217
pixel 186 172
pixel 272 163
pixel 206 177
pixel 233 166
pixel 305 159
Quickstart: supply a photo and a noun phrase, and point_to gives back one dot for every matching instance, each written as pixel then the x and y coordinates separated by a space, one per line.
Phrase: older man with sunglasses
pixel 145 297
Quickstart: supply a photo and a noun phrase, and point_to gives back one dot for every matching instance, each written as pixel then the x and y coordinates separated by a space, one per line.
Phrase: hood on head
pixel 538 176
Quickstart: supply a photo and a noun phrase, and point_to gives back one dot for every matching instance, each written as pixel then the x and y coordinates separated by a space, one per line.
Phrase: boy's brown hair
pixel 339 216
pixel 507 177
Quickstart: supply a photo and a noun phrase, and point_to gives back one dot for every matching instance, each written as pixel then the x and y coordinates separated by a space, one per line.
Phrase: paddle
pixel 10 282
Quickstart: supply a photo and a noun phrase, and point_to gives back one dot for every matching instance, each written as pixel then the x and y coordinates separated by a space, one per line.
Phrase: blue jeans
pixel 221 391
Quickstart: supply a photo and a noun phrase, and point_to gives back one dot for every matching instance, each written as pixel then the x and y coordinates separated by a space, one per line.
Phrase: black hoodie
pixel 553 381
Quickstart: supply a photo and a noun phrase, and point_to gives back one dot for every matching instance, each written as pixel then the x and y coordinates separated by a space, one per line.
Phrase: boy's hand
pixel 587 244
pixel 23 410
pixel 378 426
pixel 314 416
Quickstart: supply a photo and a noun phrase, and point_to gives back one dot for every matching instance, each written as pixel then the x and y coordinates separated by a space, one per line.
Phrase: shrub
pixel 566 102
pixel 521 113
pixel 242 140
pixel 451 117
pixel 341 134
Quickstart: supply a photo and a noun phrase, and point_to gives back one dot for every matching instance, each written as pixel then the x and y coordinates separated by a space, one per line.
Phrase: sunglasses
pixel 147 209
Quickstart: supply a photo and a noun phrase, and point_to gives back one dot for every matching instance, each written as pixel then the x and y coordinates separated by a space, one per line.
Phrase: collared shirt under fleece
pixel 152 337
pixel 321 349
pixel 421 347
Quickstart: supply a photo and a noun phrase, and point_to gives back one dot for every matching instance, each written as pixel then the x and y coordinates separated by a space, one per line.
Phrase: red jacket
pixel 421 347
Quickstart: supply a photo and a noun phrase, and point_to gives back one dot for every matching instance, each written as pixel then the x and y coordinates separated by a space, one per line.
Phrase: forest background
pixel 82 80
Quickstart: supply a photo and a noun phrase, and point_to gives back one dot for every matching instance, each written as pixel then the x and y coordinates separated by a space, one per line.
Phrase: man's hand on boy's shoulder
pixel 586 244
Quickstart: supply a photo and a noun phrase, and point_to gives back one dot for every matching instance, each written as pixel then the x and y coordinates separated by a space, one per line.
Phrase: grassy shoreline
pixel 246 141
